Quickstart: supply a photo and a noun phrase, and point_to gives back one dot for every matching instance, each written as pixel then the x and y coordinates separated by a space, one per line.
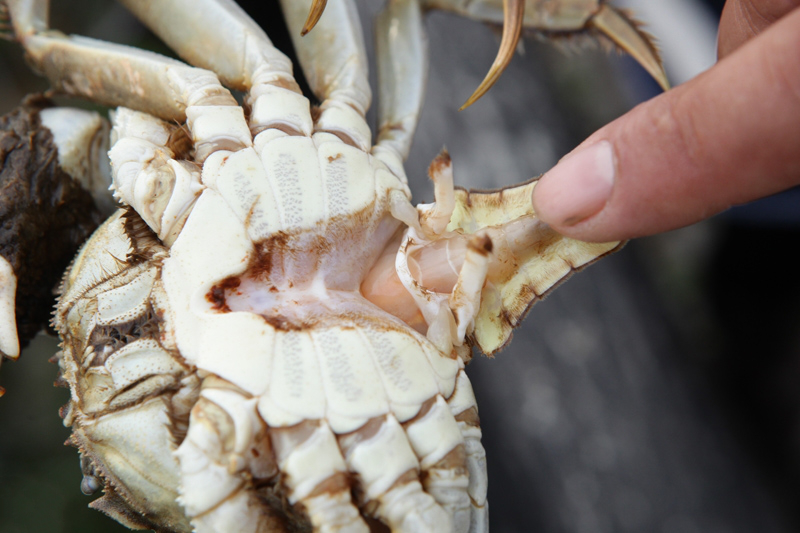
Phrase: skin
pixel 729 136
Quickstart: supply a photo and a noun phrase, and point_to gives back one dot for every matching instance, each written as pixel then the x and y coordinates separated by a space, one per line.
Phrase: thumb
pixel 729 136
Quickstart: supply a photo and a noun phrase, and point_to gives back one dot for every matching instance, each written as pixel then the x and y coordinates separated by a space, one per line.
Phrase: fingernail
pixel 577 187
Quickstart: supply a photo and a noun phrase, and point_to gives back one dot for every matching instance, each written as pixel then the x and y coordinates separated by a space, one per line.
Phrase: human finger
pixel 729 136
pixel 743 19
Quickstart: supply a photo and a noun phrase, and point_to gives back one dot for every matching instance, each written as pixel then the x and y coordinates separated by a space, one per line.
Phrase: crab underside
pixel 268 335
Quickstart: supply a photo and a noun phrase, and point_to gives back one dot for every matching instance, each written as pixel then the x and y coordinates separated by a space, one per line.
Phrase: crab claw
pixel 615 24
pixel 317 8
pixel 513 15
pixel 628 36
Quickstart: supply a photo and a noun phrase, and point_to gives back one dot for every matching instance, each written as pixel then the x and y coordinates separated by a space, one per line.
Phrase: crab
pixel 268 335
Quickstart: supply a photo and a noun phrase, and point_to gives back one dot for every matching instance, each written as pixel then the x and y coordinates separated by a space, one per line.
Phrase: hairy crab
pixel 269 335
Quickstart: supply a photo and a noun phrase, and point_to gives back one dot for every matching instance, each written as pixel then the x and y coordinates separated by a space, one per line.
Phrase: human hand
pixel 729 136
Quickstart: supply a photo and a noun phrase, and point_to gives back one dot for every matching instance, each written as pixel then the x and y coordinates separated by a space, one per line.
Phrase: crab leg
pixel 117 75
pixel 171 90
pixel 393 488
pixel 562 17
pixel 218 35
pixel 316 476
pixel 626 34
pixel 402 49
pixel 513 14
pixel 333 56
pixel 464 407
pixel 335 63
pixel 234 50
pixel 227 504
pixel 148 177
pixel 437 440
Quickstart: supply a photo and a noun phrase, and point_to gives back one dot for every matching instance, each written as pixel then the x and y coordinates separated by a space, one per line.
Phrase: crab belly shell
pixel 261 289
pixel 263 284
pixel 130 390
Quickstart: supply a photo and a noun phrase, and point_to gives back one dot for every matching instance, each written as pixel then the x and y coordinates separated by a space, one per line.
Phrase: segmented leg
pixel 402 49
pixel 400 35
pixel 391 490
pixel 118 75
pixel 595 16
pixel 316 476
pixel 465 410
pixel 438 443
pixel 224 458
pixel 147 176
pixel 335 63
pixel 238 51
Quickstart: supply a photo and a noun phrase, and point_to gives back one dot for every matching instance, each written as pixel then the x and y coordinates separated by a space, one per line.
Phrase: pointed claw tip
pixel 317 8
pixel 481 243
pixel 489 81
pixel 626 33
pixel 662 80
pixel 474 98
pixel 513 15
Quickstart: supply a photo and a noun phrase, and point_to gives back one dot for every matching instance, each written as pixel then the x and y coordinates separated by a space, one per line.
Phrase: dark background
pixel 656 391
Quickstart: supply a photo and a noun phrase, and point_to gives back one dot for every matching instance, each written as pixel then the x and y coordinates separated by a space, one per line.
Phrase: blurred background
pixel 657 391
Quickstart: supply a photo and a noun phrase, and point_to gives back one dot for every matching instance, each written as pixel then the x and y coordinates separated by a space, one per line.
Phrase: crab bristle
pixel 625 33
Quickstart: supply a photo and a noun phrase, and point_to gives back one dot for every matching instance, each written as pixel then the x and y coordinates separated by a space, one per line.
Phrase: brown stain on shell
pixel 482 245
pixel 143 240
pixel 424 409
pixel 439 163
pixel 364 433
pixel 455 461
pixel 216 295
pixel 261 264
pixel 469 417
pixel 338 482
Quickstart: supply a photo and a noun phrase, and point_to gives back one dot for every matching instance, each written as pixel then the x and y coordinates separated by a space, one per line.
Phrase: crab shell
pixel 231 365
pixel 154 349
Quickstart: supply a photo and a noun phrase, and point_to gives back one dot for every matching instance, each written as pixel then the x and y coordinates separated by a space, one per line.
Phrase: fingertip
pixel 727 137
pixel 578 187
